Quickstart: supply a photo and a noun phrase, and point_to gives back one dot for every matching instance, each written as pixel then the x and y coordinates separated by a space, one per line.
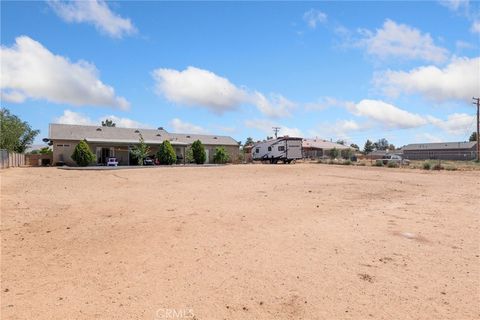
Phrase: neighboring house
pixel 441 151
pixel 379 154
pixel 117 142
pixel 318 148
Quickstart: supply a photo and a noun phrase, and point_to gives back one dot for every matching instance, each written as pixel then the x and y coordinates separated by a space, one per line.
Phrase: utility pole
pixel 477 102
pixel 275 130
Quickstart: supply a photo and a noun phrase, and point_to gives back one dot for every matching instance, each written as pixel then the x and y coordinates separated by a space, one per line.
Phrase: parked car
pixel 112 162
pixel 395 158
pixel 148 161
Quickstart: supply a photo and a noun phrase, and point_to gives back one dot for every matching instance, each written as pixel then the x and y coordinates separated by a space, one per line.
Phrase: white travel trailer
pixel 285 149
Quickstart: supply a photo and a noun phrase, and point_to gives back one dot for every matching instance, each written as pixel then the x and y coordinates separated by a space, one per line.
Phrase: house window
pixel 269 148
pixel 59 145
pixel 66 145
pixel 257 150
pixel 281 148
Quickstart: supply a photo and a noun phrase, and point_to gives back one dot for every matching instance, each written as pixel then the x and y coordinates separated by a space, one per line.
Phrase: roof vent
pixel 136 131
pixel 215 138
pixel 188 137
pixel 99 129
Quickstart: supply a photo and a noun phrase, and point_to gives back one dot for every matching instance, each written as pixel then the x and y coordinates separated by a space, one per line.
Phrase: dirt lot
pixel 304 241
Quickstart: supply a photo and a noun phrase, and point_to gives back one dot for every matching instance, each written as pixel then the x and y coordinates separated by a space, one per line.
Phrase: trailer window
pixel 281 148
pixel 257 150
pixel 269 148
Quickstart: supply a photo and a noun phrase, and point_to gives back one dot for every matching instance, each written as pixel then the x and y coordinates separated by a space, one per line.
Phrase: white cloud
pixel 458 124
pixel 186 127
pixel 454 5
pixel 266 126
pixel 427 137
pixel 323 103
pixel 95 12
pixel 195 86
pixel 395 40
pixel 475 26
pixel 459 80
pixel 276 107
pixel 125 122
pixel 199 87
pixel 386 114
pixel 313 16
pixel 29 70
pixel 71 117
pixel 340 129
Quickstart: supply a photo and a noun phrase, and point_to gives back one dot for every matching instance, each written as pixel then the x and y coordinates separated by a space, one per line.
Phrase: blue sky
pixel 405 71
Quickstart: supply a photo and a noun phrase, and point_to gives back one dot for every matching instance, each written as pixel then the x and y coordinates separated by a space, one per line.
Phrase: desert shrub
pixel 392 164
pixel 347 162
pixel 331 162
pixel 221 155
pixel 361 164
pixel 166 154
pixel 334 153
pixel 198 152
pixel 347 153
pixel 427 165
pixel 82 155
pixel 437 166
pixel 379 163
pixel 451 168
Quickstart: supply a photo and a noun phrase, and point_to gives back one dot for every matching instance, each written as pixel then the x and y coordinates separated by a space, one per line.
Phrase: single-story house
pixel 441 151
pixel 379 154
pixel 318 148
pixel 117 142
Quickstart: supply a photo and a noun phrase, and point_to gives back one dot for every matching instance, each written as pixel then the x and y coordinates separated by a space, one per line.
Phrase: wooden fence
pixel 11 159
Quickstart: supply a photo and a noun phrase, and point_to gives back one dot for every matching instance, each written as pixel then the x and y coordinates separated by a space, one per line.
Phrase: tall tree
pixel 198 151
pixel 381 144
pixel 473 137
pixel 355 146
pixel 141 150
pixel 368 147
pixel 15 135
pixel 249 141
pixel 108 123
pixel 342 142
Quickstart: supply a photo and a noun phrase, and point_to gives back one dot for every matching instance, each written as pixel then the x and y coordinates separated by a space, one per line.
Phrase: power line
pixel 275 130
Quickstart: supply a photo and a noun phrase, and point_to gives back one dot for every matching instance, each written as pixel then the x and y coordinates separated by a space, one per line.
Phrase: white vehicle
pixel 285 149
pixel 112 162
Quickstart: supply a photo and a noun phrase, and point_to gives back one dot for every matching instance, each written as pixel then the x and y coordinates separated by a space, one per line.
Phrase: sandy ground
pixel 304 241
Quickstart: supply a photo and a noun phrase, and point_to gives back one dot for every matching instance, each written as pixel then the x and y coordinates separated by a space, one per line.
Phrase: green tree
pixel 381 144
pixel 82 154
pixel 355 146
pixel 347 153
pixel 368 147
pixel 249 142
pixel 189 155
pixel 342 142
pixel 221 155
pixel 45 150
pixel 108 123
pixel 334 153
pixel 473 137
pixel 15 135
pixel 391 147
pixel 140 151
pixel 199 155
pixel 166 154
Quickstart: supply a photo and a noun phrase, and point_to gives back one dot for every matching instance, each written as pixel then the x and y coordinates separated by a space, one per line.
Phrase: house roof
pixel 131 135
pixel 322 144
pixel 439 146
